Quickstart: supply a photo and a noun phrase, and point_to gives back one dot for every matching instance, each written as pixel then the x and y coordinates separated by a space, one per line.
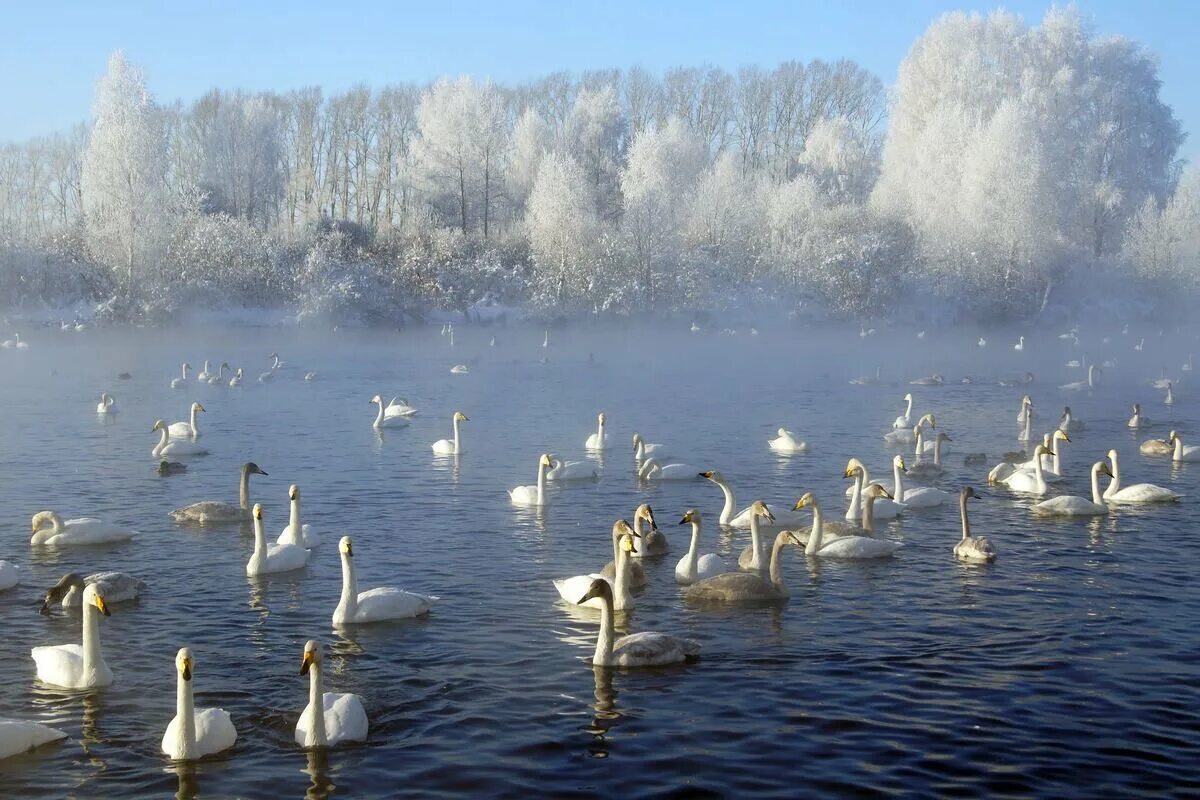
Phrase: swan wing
pixel 1069 505
pixel 388 602
pixel 59 664
pixel 859 547
pixel 924 497
pixel 284 557
pixel 179 430
pixel 572 589
pixel 208 512
pixel 523 495
pixel 1143 493
pixel 652 649
pixel 19 736
pixel 345 717
pixel 214 731
pixel 116 587
pixel 710 564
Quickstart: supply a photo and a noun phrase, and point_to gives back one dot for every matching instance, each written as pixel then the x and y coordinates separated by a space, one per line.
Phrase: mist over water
pixel 1072 655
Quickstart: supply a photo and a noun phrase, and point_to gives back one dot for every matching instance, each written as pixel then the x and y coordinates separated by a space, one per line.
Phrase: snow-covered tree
pixel 563 228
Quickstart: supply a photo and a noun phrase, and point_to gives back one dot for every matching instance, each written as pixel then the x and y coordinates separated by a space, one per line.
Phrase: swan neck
pixel 693 554
pixel 379 416
pixel 162 441
pixel 1178 453
pixel 1028 433
pixel 898 483
pixel 91 639
pixel 730 502
pixel 316 701
pixel 348 603
pixel 260 538
pixel 966 522
pixel 456 434
pixel 937 451
pixel 1097 498
pixel 604 642
pixel 908 410
pixel 777 564
pixel 818 532
pixel 294 518
pixel 244 490
pixel 185 712
pixel 622 598
pixel 755 545
pixel 195 430
pixel 1114 485
pixel 541 479
pixel 855 511
pixel 868 513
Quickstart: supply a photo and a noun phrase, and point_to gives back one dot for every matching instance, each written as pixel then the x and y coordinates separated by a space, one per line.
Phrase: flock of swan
pixel 774 530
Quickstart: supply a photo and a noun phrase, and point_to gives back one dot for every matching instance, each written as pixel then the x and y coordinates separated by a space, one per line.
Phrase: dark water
pixel 1068 667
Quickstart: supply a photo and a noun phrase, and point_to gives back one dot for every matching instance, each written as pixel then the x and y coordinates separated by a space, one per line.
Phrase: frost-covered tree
pixel 1163 244
pixel 528 146
pixel 841 159
pixel 594 133
pixel 123 172
pixel 563 228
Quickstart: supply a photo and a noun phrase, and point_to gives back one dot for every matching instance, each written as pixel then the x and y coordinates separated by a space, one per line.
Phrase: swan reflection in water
pixel 320 786
pixel 606 715
pixel 188 786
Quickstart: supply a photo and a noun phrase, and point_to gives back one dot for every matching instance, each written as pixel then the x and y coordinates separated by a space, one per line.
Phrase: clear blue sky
pixel 51 53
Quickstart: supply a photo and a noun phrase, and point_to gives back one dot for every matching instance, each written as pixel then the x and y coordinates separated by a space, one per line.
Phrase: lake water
pixel 1067 667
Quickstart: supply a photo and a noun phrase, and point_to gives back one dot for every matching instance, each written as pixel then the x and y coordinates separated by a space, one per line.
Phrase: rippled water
pixel 1069 666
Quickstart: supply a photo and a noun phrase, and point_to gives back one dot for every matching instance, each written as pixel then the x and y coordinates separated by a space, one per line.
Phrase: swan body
pixel 1138 492
pixel 374 605
pixel 195 732
pixel 19 736
pixel 620 598
pixel 1181 452
pixel 204 374
pixel 535 495
pixel 1020 345
pixel 270 558
pixel 237 378
pixel 694 566
pixel 114 587
pixel 330 718
pixel 212 512
pixel 296 532
pixel 644 649
pixel 932 380
pixel 219 378
pixel 107 404
pixel 74 666
pixel 1158 447
pixel 1029 482
pixel 459 369
pixel 599 439
pixel 844 547
pixel 747 587
pixel 653 470
pixel 174 447
pixel 78 531
pixel 898 436
pixel 1078 386
pixel 904 421
pixel 189 429
pixel 1073 506
pixel 919 497
pixel 570 470
pixel 971 548
pixel 388 416
pixel 1138 420
pixel 451 447
pixel 786 442
pixel 10 575
pixel 1067 422
pixel 397 406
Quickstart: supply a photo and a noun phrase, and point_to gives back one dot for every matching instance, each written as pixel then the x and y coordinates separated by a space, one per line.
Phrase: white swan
pixel 174 447
pixel 971 548
pixel 76 666
pixel 643 449
pixel 448 447
pixel 1158 447
pixel 885 508
pixel 107 404
pixel 848 547
pixel 310 376
pixel 183 379
pixel 1029 482
pixel 195 732
pixel 19 736
pixel 573 589
pixel 296 532
pixel 237 378
pixel 731 518
pixel 1078 386
pixel 1020 345
pixel 1138 420
pixel 599 439
pixel 398 405
pixel 1068 423
pixel 269 558
pixel 330 718
pixel 1182 452
pixel 645 649
pixel 10 575
pixel 932 380
pixel 1026 412
pixel 751 558
pixel 918 497
pixel 1074 506
pixel 637 574
pixel 219 378
pixel 386 417
pixel 1052 468
pixel 1169 400
pixel 743 587
pixel 786 442
pixel 1138 492
pixel 908 435
pixel 459 369
pixel 854 462
pixel 570 470
pixel 204 374
pixel 114 587
pixel 654 470
pixel 213 512
pixel 693 566
pixel 904 421
pixel 188 429
pixel 374 605
pixel 78 531
pixel 534 495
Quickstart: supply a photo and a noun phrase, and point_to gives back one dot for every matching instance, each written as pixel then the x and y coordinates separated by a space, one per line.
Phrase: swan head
pixel 908 397
pixel 1172 437
pixel 45 518
pixel 622 528
pixel 807 499
pixel 461 417
pixel 690 516
pixel 258 512
pixel 898 463
pixel 1103 468
pixel 1041 450
pixel 626 543
pixel 197 407
pixel 186 366
pixel 312 656
pixel 598 588
pixel 345 548
pixel 603 418
pixel 968 493
pixel 224 366
pixel 853 467
pixel 1112 455
pixel 713 476
pixel 183 663
pixel 1061 435
pixel 158 425
pixel 293 492
pixel 637 440
pixel 376 399
pixel 58 591
pixel 645 512
pixel 760 510
pixel 876 490
pixel 547 460
pixel 92 597
pixel 1026 401
pixel 1137 409
pixel 250 468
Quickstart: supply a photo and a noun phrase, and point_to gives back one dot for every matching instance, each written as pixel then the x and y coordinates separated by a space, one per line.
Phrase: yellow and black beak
pixel 306 662
pixel 187 669
pixel 100 604
pixel 849 473
pixel 706 474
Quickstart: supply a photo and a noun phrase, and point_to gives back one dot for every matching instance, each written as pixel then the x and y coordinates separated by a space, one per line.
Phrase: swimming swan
pixel 645 649
pixel 295 532
pixel 1138 492
pixel 1074 506
pixel 971 548
pixel 599 439
pixel 741 519
pixel 919 497
pixel 74 666
pixel 908 435
pixel 114 587
pixel 386 417
pixel 1158 447
pixel 746 587
pixel 845 547
pixel 786 442
pixel 637 575
pixel 653 470
pixel 693 566
pixel 204 374
pixel 572 589
pixel 1029 482
pixel 195 732
pixel 19 736
pixel 531 496
pixel 174 447
pixel 904 421
pixel 570 470
pixel 182 380
pixel 447 447
pixel 374 605
pixel 189 429
pixel 1137 420
pixel 107 404
pixel 643 449
pixel 213 512
pixel 751 558
pixel 1181 452
pixel 269 558
pixel 330 718
pixel 78 531
pixel 885 508
pixel 927 469
pixel 10 575
pixel 219 378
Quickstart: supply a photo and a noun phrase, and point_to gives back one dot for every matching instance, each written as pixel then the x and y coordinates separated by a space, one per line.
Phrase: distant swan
pixel 296 532
pixel 599 439
pixel 1029 482
pixel 933 380
pixel 78 531
pixel 904 421
pixel 219 378
pixel 1138 420
pixel 532 495
pixel 645 649
pixel 1073 506
pixel 1138 492
pixel 1077 386
pixel 270 558
pixel 918 497
pixel 448 447
pixel 971 548
pixel 570 470
pixel 330 718
pixel 374 605
pixel 74 666
pixel 693 566
pixel 183 379
pixel 174 447
pixel 195 732
pixel 107 404
pixel 213 512
pixel 237 378
pixel 786 442
pixel 643 449
pixel 204 374
pixel 898 436
pixel 386 417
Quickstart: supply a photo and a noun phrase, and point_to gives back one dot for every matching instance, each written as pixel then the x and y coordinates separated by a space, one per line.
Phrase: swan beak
pixel 770 517
pixel 45 609
pixel 849 473
pixel 684 521
pixel 100 604
pixel 706 475
pixel 187 669
pixel 199 407
pixel 1106 470
pixel 1065 437
pixel 888 495
pixel 306 662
